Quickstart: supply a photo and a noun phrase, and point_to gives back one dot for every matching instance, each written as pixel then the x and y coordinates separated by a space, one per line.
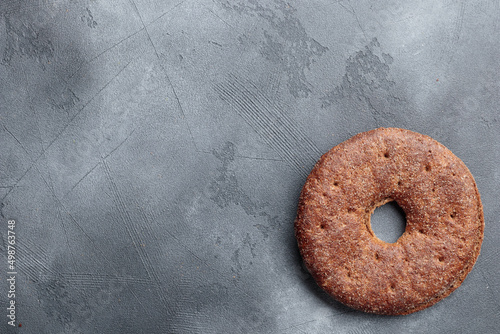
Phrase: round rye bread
pixel 444 222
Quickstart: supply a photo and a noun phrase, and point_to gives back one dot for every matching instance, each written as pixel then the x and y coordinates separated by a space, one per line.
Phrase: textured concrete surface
pixel 152 154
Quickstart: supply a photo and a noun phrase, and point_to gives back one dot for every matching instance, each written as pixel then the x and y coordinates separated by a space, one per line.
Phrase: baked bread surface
pixel 444 222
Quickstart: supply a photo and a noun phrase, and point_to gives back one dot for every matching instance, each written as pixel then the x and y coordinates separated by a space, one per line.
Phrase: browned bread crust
pixel 444 222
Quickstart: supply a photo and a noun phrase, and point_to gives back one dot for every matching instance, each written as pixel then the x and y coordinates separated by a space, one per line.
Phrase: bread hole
pixel 441 259
pixel 325 194
pixel 351 210
pixel 433 190
pixel 421 231
pixel 322 226
pixel 393 286
pixel 388 222
pixel 386 155
pixel 336 184
pixel 453 215
pixel 377 257
pixel 428 168
pixel 430 151
pixel 399 182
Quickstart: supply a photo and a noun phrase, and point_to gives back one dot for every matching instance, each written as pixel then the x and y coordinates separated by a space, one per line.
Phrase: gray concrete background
pixel 152 154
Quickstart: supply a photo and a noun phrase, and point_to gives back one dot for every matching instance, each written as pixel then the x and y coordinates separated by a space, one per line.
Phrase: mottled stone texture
pixel 152 154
